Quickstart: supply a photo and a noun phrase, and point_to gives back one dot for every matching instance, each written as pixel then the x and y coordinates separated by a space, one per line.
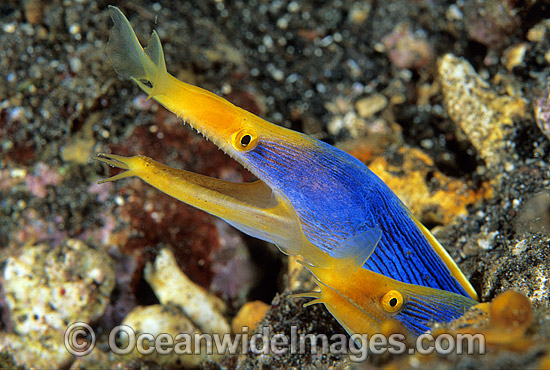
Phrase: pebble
pixel 514 56
pixel 171 322
pixel 249 316
pixel 367 107
pixel 47 289
pixel 485 117
pixel 537 32
pixel 171 285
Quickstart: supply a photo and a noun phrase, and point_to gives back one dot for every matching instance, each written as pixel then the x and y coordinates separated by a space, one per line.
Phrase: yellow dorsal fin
pixel 448 260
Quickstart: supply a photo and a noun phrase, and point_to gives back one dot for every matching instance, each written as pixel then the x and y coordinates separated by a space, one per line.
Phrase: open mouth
pixel 252 207
pixel 255 194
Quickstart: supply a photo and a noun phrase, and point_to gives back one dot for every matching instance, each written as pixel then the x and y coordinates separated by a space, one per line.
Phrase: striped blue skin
pixel 336 197
pixel 421 309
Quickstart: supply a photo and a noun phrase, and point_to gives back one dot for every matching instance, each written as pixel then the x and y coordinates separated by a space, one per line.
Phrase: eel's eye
pixel 392 301
pixel 244 140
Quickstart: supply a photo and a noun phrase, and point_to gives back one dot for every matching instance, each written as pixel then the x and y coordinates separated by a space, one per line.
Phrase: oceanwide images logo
pixel 80 340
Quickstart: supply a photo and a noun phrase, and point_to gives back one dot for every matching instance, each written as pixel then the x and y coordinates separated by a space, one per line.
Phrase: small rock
pixel 511 311
pixel 487 242
pixel 407 49
pixel 249 316
pixel 34 11
pixel 359 12
pixel 537 32
pixel 172 286
pixel 485 117
pixel 367 107
pixel 519 248
pixel 514 56
pixel 490 22
pixel 172 322
pixel 46 290
pixel 79 151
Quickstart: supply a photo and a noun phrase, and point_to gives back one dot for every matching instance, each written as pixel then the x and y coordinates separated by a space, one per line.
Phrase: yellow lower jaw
pixel 251 207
